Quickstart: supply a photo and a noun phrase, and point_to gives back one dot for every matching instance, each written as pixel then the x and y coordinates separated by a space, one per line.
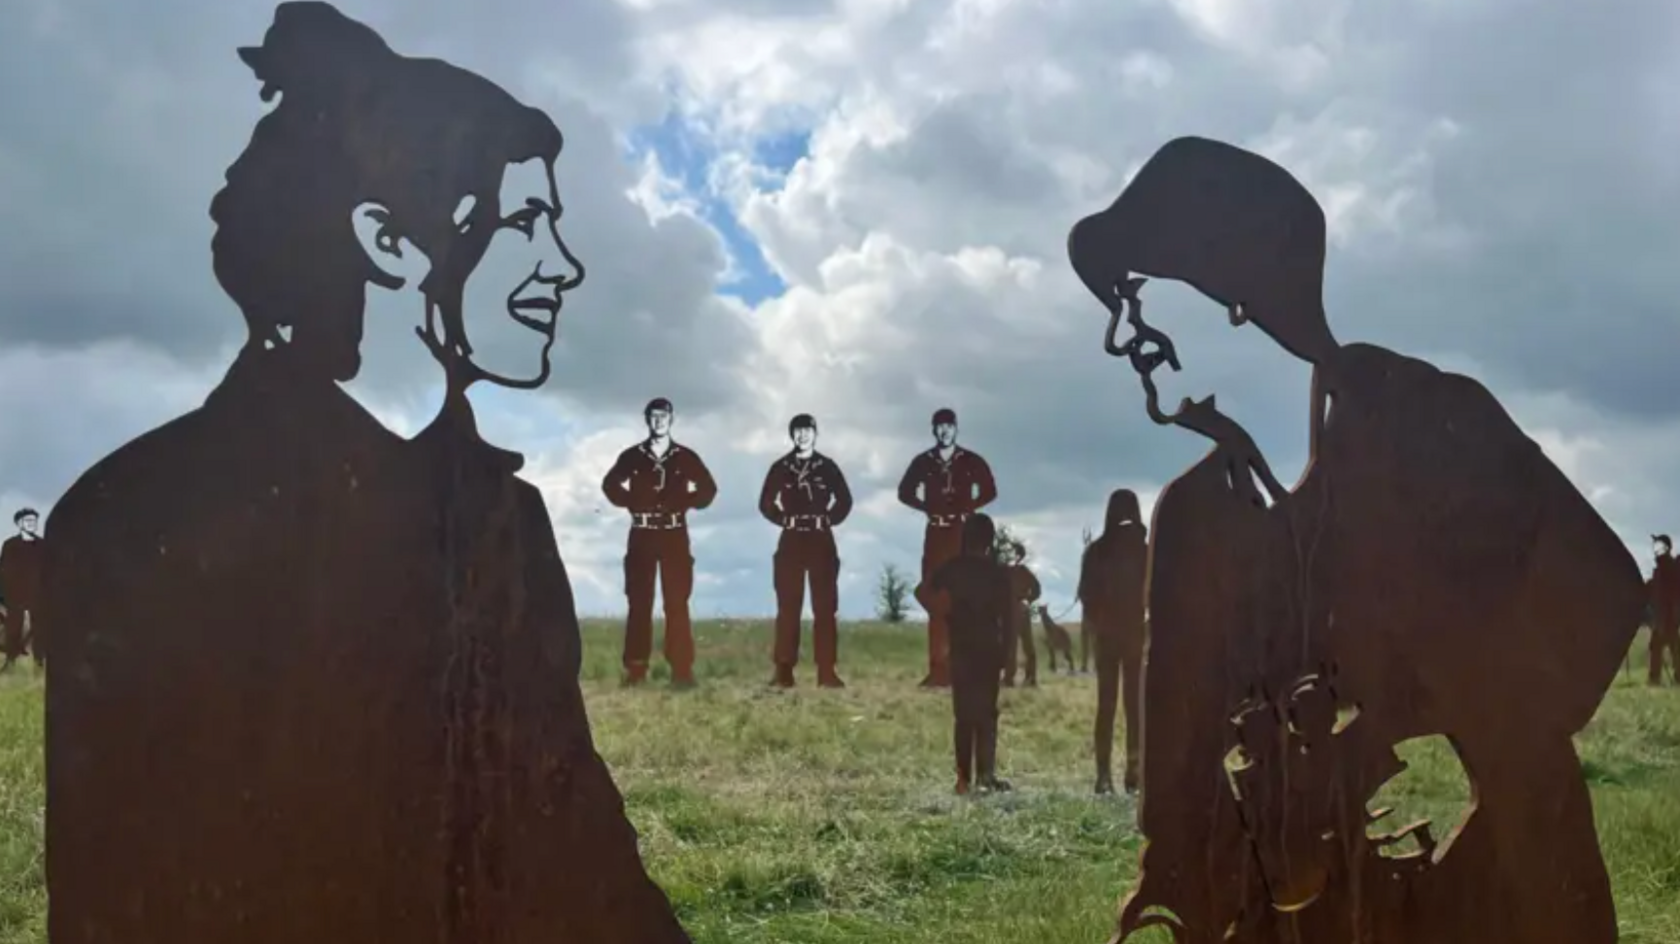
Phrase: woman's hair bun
pixel 311 44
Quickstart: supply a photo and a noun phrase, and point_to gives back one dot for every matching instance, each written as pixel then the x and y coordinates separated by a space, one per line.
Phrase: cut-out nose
pixel 559 267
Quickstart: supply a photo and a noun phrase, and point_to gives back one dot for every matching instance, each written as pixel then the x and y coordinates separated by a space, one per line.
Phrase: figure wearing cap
pixel 805 494
pixel 1664 589
pixel 1111 585
pixel 947 483
pixel 21 563
pixel 1025 590
pixel 659 482
pixel 1431 573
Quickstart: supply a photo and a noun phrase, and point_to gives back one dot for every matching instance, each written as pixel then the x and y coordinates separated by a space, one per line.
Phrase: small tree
pixel 1008 547
pixel 892 595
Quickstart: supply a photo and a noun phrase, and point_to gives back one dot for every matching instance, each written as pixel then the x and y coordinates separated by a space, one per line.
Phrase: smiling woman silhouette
pixel 319 683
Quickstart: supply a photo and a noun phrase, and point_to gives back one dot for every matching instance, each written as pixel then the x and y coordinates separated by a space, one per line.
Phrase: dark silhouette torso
pixel 1443 572
pixel 321 685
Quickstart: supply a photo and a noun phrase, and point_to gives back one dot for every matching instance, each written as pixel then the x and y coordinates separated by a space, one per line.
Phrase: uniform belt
pixel 802 523
pixel 945 521
pixel 656 520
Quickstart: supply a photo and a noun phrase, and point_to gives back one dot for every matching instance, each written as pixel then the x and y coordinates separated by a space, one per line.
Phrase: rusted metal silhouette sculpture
pixel 1432 573
pixel 659 482
pixel 1056 640
pixel 320 683
pixel 1025 590
pixel 1664 591
pixel 1111 586
pixel 947 483
pixel 805 494
pixel 971 592
pixel 22 558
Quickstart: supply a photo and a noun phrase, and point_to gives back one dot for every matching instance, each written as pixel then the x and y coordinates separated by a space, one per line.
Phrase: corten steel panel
pixel 1431 573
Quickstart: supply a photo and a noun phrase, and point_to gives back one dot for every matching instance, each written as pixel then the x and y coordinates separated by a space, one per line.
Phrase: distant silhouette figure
pixel 22 559
pixel 1024 589
pixel 971 591
pixel 805 494
pixel 1664 589
pixel 1432 572
pixel 1056 640
pixel 947 484
pixel 1111 586
pixel 660 482
pixel 320 683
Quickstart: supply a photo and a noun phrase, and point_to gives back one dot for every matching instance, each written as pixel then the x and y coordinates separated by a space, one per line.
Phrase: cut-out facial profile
pixel 1432 570
pixel 320 682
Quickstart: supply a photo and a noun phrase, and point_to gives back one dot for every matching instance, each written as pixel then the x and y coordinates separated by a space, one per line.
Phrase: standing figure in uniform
pixel 660 482
pixel 947 483
pixel 1111 585
pixel 971 591
pixel 1432 572
pixel 1665 610
pixel 21 563
pixel 1025 590
pixel 805 494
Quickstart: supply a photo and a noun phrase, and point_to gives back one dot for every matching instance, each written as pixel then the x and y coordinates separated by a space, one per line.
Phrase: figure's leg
pixel 1030 651
pixel 963 732
pixel 986 733
pixel 1654 656
pixel 938 546
pixel 676 584
pixel 1011 644
pixel 825 609
pixel 640 566
pixel 1108 701
pixel 1084 646
pixel 1131 678
pixel 788 575
pixel 9 632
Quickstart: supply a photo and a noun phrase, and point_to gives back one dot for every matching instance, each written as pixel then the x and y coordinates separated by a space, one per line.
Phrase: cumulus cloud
pixel 1496 204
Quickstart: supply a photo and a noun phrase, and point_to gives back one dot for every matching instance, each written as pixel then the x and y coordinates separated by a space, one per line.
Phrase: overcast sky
pixel 859 210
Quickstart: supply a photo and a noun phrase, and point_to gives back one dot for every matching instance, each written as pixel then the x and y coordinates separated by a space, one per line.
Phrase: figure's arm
pixel 705 489
pixel 1087 577
pixel 985 487
pixel 1034 589
pixel 840 505
pixel 910 484
pixel 928 592
pixel 1004 608
pixel 615 485
pixel 769 497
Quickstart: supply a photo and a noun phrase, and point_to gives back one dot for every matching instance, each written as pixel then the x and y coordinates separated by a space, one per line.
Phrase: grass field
pixel 819 816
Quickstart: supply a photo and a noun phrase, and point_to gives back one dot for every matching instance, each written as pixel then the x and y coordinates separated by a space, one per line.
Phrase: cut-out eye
pixel 525 220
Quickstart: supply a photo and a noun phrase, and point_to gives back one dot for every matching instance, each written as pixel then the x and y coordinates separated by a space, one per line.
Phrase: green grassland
pixel 827 816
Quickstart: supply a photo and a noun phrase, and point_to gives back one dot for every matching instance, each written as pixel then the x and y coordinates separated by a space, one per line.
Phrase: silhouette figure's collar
pixel 956 451
pixel 455 430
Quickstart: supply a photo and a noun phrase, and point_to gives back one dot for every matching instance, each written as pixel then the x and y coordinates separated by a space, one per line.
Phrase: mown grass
pixel 827 817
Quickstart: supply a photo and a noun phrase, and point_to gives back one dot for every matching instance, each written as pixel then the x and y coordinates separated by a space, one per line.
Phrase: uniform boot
pixel 827 678
pixel 783 677
pixel 682 679
pixel 635 675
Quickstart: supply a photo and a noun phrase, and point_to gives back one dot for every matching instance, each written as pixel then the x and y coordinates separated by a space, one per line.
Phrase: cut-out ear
pixel 396 260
